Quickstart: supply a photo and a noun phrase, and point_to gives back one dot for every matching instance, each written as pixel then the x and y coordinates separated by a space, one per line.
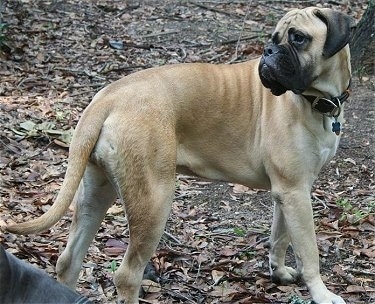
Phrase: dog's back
pixel 23 283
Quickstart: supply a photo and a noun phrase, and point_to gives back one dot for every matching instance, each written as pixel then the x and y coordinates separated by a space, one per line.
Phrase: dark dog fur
pixel 23 283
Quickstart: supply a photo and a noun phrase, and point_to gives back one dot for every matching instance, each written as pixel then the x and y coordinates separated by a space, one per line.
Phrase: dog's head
pixel 302 45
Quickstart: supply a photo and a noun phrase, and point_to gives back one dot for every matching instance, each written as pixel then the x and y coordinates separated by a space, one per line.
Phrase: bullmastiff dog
pixel 269 123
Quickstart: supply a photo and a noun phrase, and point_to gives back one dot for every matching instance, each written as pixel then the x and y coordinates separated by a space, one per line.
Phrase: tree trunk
pixel 363 42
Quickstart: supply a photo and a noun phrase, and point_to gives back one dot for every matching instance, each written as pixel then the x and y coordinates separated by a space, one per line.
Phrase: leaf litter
pixel 215 245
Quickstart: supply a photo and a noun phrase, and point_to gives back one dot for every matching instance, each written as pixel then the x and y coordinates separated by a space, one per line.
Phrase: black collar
pixel 329 107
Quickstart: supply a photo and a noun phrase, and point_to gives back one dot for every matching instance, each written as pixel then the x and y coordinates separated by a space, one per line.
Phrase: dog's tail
pixel 84 139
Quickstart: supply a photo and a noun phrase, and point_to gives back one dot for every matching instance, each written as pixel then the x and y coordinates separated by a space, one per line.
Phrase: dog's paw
pixel 320 294
pixel 284 275
pixel 327 297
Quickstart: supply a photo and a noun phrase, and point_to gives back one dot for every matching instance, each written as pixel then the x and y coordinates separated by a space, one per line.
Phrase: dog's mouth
pixel 279 71
pixel 269 80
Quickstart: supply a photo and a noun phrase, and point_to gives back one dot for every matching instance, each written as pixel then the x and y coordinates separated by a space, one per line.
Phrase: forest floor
pixel 60 53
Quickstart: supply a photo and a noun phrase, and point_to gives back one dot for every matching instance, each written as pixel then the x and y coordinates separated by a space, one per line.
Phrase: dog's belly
pixel 223 167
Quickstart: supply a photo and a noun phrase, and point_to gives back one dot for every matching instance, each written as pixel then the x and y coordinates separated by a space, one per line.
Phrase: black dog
pixel 23 283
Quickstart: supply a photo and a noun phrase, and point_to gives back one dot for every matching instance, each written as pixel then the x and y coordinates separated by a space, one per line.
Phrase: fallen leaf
pixel 217 276
pixel 150 286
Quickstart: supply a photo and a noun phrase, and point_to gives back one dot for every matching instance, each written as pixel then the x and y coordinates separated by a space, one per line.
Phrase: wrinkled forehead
pixel 304 20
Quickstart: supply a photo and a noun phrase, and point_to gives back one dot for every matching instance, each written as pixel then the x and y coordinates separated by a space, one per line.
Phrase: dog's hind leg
pixel 146 226
pixel 93 198
pixel 148 195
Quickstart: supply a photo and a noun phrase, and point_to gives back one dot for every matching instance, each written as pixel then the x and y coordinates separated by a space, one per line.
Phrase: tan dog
pixel 219 122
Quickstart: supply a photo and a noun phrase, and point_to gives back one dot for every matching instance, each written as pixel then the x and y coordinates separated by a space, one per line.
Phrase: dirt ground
pixel 60 53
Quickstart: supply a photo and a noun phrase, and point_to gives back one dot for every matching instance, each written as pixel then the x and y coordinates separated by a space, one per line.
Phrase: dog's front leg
pixel 279 243
pixel 297 211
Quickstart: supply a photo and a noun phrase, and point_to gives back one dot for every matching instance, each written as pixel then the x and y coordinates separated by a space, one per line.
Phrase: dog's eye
pixel 297 38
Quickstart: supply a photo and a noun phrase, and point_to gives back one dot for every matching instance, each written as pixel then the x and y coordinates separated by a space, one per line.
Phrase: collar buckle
pixel 328 107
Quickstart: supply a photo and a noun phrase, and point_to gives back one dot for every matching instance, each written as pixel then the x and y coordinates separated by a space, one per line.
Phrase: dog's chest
pixel 327 149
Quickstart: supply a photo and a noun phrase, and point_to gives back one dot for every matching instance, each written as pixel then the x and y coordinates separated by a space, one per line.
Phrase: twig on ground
pixel 176 240
pixel 310 2
pixel 180 296
pixel 365 272
pixel 238 40
pixel 241 33
pixel 217 56
pixel 160 34
pixel 216 10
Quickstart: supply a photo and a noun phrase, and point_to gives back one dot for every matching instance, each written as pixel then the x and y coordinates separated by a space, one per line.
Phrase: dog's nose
pixel 270 50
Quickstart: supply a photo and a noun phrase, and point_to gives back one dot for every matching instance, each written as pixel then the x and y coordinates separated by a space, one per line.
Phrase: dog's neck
pixel 333 81
pixel 327 97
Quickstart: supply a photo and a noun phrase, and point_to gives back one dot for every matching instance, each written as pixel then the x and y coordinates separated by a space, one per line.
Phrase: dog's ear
pixel 339 30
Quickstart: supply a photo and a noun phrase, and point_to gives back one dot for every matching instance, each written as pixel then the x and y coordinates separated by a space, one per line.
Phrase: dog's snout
pixel 270 50
pixel 267 51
